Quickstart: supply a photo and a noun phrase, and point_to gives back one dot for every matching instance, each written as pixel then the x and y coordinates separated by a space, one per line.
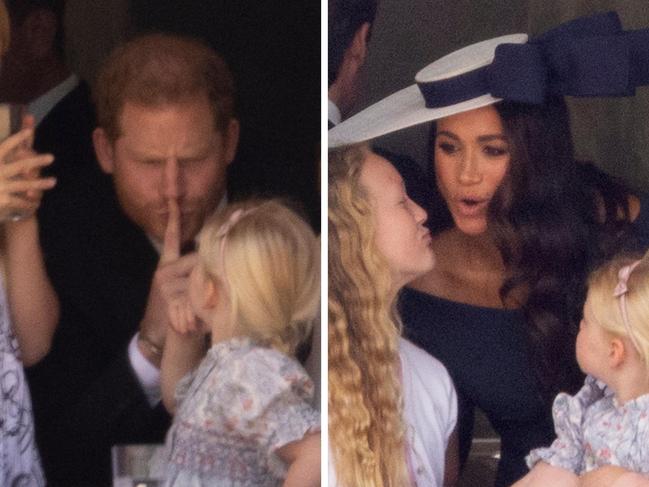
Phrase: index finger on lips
pixel 171 245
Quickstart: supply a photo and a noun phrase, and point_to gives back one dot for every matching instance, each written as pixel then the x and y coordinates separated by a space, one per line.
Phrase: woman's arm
pixel 303 459
pixel 33 303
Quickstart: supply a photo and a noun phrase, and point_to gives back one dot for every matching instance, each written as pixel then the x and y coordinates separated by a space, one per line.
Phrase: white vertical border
pixel 324 245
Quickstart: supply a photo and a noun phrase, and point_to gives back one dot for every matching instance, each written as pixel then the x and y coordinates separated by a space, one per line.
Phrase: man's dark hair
pixel 345 18
pixel 20 9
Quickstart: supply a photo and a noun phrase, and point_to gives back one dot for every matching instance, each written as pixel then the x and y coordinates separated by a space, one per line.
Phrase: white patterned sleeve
pixel 273 400
pixel 568 411
pixel 182 387
pixel 640 448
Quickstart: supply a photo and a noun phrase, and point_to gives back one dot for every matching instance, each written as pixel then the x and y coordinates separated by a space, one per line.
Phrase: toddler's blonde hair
pixel 268 261
pixel 606 307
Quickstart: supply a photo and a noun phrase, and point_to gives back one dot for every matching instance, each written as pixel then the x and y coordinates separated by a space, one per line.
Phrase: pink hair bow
pixel 233 219
pixel 620 292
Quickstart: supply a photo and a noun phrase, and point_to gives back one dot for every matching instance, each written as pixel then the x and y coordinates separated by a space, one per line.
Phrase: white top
pixel 430 413
pixel 19 459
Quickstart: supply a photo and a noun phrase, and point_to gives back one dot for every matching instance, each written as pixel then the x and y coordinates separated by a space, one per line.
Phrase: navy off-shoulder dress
pixel 485 354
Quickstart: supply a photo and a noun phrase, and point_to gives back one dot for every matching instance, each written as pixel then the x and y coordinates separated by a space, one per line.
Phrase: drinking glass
pixel 138 465
pixel 11 117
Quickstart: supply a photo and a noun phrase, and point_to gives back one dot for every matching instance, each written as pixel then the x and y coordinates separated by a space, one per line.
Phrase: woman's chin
pixel 472 227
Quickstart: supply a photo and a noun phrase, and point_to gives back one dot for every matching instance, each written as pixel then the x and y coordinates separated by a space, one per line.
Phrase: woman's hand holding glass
pixel 21 186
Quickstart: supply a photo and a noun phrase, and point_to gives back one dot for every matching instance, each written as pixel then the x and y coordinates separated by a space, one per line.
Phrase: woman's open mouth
pixel 472 206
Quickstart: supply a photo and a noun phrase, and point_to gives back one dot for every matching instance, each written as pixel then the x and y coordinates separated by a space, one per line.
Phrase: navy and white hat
pixel 588 56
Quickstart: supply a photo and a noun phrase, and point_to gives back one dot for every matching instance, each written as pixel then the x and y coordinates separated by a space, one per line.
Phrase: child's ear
pixel 211 294
pixel 617 352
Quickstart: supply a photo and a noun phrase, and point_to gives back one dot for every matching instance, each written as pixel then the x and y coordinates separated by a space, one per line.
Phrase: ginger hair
pixel 270 268
pixel 155 70
pixel 366 429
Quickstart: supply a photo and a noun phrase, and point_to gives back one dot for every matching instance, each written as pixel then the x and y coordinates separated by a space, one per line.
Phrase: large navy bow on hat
pixel 588 56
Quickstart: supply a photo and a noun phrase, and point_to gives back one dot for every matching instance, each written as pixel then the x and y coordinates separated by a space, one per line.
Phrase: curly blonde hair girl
pixel 366 429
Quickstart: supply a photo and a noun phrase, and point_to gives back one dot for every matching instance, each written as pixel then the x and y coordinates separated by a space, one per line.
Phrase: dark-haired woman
pixel 518 227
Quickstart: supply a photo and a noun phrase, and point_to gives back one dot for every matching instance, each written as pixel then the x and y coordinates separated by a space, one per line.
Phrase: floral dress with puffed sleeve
pixel 240 405
pixel 19 459
pixel 594 430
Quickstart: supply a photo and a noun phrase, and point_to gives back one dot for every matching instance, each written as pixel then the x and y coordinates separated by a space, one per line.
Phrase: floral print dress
pixel 19 460
pixel 594 430
pixel 235 410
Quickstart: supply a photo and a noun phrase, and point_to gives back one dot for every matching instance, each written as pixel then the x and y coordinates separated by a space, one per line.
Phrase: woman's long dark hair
pixel 548 221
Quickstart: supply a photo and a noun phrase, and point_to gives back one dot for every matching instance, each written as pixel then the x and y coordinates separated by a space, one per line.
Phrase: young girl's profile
pixel 604 428
pixel 243 412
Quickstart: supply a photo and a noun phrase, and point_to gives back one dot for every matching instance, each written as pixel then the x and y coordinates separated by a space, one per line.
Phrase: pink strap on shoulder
pixel 620 292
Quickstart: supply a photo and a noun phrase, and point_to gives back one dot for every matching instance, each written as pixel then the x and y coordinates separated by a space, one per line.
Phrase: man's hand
pixel 169 287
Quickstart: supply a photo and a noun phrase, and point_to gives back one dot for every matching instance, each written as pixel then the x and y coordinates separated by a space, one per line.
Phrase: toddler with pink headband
pixel 242 402
pixel 603 430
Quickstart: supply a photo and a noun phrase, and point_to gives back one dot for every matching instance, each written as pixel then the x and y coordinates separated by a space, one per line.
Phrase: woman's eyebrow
pixel 491 137
pixel 450 135
pixel 481 138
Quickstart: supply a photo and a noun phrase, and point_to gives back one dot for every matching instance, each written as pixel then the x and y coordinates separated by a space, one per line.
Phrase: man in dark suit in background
pixel 350 25
pixel 34 73
pixel 167 133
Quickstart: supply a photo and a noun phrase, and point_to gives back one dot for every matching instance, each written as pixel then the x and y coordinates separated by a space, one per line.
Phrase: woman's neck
pixel 477 252
pixel 469 269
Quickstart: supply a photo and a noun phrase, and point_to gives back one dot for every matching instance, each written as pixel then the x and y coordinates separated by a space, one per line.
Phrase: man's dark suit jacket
pixel 85 395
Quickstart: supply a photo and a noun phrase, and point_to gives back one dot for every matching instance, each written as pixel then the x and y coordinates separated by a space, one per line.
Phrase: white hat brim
pixel 407 107
pixel 400 110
